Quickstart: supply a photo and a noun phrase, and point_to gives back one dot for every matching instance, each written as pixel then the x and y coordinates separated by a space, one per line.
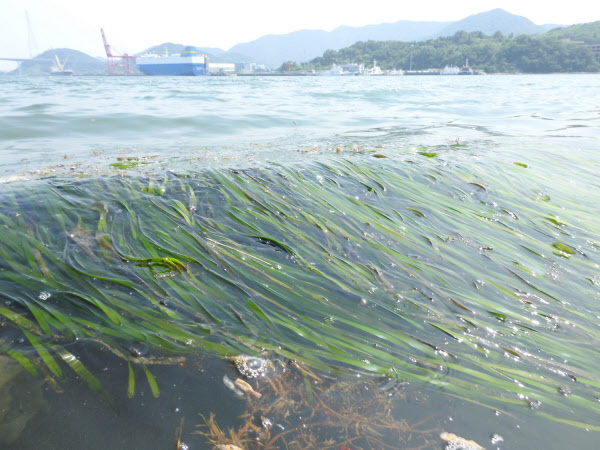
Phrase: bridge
pixel 20 60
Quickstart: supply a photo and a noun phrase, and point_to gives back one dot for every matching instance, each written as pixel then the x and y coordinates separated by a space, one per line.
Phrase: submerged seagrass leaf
pixel 555 221
pixel 274 242
pixel 152 383
pixel 78 367
pixel 479 186
pixel 564 248
pixel 131 381
pixel 21 359
pixel 20 320
pixel 44 354
pixel 416 212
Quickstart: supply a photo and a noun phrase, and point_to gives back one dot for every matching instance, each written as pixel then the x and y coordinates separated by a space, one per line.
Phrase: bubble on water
pixel 44 295
pixel 455 446
pixel 266 422
pixel 497 438
pixel 554 273
pixel 535 404
pixel 250 366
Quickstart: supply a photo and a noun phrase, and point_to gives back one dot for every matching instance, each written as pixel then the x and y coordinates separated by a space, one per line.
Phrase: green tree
pixel 289 66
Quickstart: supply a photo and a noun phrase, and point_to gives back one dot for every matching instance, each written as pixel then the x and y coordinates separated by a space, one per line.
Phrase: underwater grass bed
pixel 476 280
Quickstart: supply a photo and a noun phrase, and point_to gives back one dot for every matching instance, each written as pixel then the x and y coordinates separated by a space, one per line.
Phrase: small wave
pixel 36 107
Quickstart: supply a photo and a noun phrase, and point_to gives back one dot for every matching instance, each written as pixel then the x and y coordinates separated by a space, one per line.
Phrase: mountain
pixel 169 47
pixel 304 45
pixel 215 55
pixel 79 62
pixel 492 21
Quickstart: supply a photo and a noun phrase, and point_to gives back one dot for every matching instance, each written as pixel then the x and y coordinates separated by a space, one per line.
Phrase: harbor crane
pixel 117 63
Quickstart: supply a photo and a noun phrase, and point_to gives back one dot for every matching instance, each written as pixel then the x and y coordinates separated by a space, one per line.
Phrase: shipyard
pixel 189 60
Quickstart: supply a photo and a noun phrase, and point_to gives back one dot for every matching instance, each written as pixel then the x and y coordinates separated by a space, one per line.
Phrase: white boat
pixel 375 70
pixel 353 69
pixel 450 70
pixel 335 71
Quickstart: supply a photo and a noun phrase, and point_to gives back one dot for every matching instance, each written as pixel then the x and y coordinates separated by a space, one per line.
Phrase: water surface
pixel 431 240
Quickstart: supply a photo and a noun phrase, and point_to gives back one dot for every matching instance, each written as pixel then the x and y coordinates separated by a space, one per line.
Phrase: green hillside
pixel 492 54
pixel 587 32
pixel 79 62
pixel 303 45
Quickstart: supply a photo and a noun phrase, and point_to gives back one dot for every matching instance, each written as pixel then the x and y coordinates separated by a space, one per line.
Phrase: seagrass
pixel 420 267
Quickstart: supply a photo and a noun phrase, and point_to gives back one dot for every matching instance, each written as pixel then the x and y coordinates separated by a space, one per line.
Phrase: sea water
pixel 81 124
pixel 82 128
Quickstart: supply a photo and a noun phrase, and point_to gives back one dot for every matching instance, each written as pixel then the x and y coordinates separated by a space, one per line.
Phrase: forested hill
pixel 75 60
pixel 586 32
pixel 303 45
pixel 491 54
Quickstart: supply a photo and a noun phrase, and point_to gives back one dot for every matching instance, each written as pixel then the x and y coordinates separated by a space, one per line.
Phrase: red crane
pixel 117 64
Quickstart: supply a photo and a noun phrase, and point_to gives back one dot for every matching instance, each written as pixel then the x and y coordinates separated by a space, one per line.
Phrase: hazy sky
pixel 134 25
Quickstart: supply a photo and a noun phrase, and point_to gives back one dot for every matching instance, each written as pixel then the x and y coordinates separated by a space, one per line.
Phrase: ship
pixel 335 71
pixel 59 69
pixel 187 63
pixel 466 69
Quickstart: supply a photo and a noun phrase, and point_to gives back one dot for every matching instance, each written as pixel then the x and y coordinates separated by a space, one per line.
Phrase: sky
pixel 29 27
